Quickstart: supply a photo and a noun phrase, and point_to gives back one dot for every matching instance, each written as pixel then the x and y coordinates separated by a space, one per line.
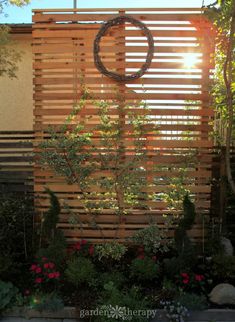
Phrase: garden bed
pixel 69 314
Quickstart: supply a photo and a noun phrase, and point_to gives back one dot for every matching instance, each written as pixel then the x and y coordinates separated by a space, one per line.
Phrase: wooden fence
pixel 175 88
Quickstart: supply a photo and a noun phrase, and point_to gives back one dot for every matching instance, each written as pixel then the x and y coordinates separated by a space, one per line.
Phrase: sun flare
pixel 190 61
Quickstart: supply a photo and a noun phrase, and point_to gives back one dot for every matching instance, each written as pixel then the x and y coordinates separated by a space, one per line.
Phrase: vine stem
pixel 228 74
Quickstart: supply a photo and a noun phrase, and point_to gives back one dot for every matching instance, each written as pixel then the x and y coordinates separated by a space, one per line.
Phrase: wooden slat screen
pixel 177 95
pixel 16 162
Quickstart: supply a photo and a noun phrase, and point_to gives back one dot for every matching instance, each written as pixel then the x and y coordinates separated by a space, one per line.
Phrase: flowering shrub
pixel 83 248
pixel 44 273
pixel 191 281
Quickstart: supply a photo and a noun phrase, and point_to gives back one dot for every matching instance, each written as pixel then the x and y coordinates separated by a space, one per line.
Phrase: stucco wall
pixel 16 96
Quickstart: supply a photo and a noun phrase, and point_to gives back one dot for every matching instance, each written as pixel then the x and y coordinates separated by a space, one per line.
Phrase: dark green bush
pixel 80 270
pixel 9 295
pixel 192 301
pixel 144 269
pixel 16 236
pixel 223 268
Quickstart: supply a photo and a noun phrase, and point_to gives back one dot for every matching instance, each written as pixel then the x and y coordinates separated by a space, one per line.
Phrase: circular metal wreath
pixel 118 21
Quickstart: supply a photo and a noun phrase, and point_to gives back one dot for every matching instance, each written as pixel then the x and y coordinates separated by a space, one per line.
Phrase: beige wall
pixel 16 96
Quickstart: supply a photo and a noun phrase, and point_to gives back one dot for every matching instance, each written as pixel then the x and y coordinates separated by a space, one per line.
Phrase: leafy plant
pixel 16 235
pixel 223 268
pixel 111 250
pixel 113 298
pixel 192 301
pixel 46 302
pixel 144 269
pixel 98 156
pixel 80 270
pixel 222 13
pixel 8 295
pixel 152 239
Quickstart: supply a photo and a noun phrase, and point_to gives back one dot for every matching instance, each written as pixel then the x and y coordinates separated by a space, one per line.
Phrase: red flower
pixel 83 242
pixel 51 275
pixel 51 265
pixel 185 281
pixel 91 250
pixel 154 258
pixel 141 249
pixel 38 270
pixel 185 275
pixel 38 280
pixel 57 274
pixel 199 278
pixel 33 267
pixel 46 265
pixel 44 259
pixel 77 246
pixel 141 256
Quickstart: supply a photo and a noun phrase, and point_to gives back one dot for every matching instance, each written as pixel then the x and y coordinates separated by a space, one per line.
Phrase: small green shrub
pixel 9 295
pixel 192 301
pixel 223 268
pixel 173 266
pixel 117 278
pixel 152 238
pixel 53 243
pixel 144 269
pixel 80 270
pixel 47 302
pixel 117 302
pixel 113 250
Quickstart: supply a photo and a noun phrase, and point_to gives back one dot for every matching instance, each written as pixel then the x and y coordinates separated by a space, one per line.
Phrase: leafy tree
pixel 222 13
pixel 9 57
pixel 100 158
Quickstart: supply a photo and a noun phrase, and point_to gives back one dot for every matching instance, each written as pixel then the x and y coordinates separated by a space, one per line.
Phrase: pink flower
pixel 46 265
pixel 199 278
pixel 91 250
pixel 83 242
pixel 185 281
pixel 51 265
pixel 33 267
pixel 38 270
pixel 51 275
pixel 154 258
pixel 44 259
pixel 38 280
pixel 26 292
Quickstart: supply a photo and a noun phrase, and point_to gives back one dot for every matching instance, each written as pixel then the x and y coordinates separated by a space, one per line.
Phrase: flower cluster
pixel 141 254
pixel 191 281
pixel 83 248
pixel 175 311
pixel 44 271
